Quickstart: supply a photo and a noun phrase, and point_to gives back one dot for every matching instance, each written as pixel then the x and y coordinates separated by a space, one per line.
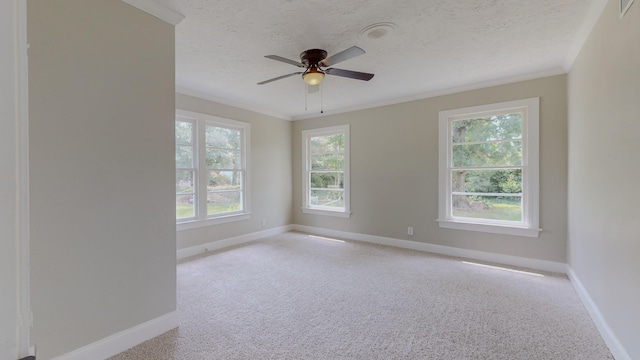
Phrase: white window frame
pixel 201 218
pixel 530 172
pixel 306 171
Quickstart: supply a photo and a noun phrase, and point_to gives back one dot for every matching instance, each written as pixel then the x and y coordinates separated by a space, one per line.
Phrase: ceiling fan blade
pixel 285 60
pixel 312 89
pixel 343 55
pixel 278 78
pixel 349 74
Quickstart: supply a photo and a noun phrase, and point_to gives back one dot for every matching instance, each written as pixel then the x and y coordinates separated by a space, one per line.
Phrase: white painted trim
pixel 490 228
pixel 194 224
pixel 220 244
pixel 14 231
pixel 530 224
pixel 429 94
pixel 434 93
pixel 124 340
pixel 610 338
pixel 314 211
pixel 161 12
pixel 593 14
pixel 536 264
pixel 624 8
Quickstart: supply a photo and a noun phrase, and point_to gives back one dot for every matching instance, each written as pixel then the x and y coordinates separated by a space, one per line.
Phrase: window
pixel 326 171
pixel 185 169
pixel 211 170
pixel 489 168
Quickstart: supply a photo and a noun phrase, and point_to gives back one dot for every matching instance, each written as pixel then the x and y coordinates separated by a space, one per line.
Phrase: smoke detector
pixel 378 30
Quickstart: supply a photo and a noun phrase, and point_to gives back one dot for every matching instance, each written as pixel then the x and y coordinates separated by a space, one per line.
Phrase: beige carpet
pixel 292 296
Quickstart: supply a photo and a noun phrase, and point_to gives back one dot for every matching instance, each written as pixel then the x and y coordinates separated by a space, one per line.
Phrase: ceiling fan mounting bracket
pixel 313 57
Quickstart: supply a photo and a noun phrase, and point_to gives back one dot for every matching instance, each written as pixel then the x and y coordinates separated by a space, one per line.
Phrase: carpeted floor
pixel 293 296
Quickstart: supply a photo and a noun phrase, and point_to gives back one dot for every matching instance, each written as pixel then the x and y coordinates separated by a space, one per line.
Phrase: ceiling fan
pixel 314 60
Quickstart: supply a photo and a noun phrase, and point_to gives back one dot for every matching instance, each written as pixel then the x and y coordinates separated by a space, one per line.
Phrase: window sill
pixel 193 224
pixel 336 213
pixel 490 228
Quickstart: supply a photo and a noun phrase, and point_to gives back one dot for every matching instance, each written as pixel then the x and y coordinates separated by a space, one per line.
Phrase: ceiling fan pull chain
pixel 321 97
pixel 306 90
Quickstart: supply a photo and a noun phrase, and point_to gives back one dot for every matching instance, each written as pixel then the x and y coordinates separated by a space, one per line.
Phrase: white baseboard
pixel 216 245
pixel 616 348
pixel 536 264
pixel 123 340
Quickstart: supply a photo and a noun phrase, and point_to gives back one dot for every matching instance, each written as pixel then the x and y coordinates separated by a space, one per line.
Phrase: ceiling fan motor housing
pixel 313 57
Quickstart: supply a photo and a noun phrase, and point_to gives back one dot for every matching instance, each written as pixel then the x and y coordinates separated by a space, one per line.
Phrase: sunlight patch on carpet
pixel 503 268
pixel 325 238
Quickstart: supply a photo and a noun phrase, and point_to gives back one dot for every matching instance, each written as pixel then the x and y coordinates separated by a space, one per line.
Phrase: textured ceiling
pixel 439 46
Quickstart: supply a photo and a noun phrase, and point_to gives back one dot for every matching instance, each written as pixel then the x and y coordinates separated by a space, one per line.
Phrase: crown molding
pixel 161 12
pixel 435 93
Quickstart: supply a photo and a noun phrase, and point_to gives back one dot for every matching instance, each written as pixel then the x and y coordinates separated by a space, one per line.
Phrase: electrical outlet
pixel 263 222
pixel 410 230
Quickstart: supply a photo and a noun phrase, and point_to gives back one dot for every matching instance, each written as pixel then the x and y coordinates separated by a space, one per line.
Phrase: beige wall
pixel 270 171
pixel 604 152
pixel 394 171
pixel 9 122
pixel 101 88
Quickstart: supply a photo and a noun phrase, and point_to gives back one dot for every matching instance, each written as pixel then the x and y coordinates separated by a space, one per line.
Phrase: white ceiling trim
pixel 206 96
pixel 593 14
pixel 161 12
pixel 476 86
pixel 432 94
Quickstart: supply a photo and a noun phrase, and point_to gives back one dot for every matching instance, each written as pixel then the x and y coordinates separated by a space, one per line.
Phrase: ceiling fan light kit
pixel 313 76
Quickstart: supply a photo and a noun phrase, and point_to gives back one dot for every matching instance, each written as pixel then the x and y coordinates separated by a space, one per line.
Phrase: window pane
pixel 224 202
pixel 327 162
pixel 487 181
pixel 508 208
pixel 184 182
pixel 185 206
pixel 498 127
pixel 223 159
pixel 327 180
pixel 222 138
pixel 184 133
pixel 488 154
pixel 327 144
pixel 224 180
pixel 330 198
pixel 184 156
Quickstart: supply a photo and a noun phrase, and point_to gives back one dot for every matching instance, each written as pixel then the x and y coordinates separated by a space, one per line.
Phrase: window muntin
pixel 489 167
pixel 326 171
pixel 217 150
